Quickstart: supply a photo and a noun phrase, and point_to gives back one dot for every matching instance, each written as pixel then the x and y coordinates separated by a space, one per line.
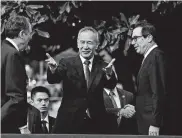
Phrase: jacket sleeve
pixel 59 73
pixel 157 76
pixel 15 88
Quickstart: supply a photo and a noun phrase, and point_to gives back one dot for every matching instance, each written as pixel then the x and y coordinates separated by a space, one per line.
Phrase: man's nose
pixel 132 42
pixel 43 102
pixel 85 45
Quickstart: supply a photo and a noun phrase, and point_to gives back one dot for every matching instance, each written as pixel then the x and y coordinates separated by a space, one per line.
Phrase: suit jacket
pixel 126 126
pixel 13 89
pixel 34 120
pixel 51 123
pixel 150 97
pixel 77 98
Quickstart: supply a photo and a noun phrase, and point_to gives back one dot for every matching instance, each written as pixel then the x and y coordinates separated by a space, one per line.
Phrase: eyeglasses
pixel 135 38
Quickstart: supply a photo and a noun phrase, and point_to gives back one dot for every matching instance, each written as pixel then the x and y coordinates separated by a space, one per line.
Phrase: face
pixel 41 101
pixel 87 44
pixel 138 41
pixel 27 36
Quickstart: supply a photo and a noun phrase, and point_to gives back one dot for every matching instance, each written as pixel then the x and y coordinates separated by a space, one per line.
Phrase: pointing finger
pixel 111 63
pixel 47 54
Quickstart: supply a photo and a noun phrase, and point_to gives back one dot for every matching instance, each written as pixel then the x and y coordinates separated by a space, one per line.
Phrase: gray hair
pixel 89 28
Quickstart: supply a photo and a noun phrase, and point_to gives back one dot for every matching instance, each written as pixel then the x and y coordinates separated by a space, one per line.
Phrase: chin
pixel 87 56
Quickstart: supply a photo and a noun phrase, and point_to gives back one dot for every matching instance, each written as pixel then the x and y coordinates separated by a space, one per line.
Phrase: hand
pixel 108 69
pixel 154 131
pixel 128 111
pixel 24 130
pixel 51 63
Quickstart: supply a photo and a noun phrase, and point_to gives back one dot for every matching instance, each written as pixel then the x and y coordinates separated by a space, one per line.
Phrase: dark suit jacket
pixel 76 97
pixel 126 126
pixel 51 123
pixel 13 89
pixel 151 91
pixel 34 120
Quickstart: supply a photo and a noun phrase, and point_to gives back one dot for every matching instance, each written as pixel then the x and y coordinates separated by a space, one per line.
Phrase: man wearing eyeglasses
pixel 151 81
pixel 84 76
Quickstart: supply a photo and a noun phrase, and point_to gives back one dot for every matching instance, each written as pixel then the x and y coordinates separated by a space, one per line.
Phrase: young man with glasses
pixel 151 81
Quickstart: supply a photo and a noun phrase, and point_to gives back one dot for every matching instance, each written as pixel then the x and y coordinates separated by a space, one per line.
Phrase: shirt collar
pixel 114 90
pixel 83 60
pixel 13 43
pixel 150 49
pixel 46 119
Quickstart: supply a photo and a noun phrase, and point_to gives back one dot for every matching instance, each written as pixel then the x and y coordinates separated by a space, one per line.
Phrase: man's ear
pixel 31 102
pixel 150 38
pixel 21 34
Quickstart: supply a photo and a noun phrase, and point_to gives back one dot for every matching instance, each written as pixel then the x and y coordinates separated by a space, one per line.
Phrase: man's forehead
pixel 41 94
pixel 137 31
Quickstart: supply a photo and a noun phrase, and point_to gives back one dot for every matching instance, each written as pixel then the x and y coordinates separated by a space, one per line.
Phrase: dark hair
pixel 39 89
pixel 147 29
pixel 15 24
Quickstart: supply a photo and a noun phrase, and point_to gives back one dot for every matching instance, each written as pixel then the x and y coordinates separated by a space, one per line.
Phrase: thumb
pixel 47 54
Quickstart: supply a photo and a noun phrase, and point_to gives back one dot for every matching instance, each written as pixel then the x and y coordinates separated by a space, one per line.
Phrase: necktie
pixel 87 77
pixel 115 105
pixel 111 95
pixel 87 71
pixel 44 127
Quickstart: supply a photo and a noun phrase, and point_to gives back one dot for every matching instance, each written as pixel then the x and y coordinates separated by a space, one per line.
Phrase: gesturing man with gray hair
pixel 84 77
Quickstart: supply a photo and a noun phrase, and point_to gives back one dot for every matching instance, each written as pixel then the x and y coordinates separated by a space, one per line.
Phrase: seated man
pixel 40 99
pixel 120 111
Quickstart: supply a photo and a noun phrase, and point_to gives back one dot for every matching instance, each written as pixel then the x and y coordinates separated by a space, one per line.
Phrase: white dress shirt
pixel 13 43
pixel 47 121
pixel 90 65
pixel 116 96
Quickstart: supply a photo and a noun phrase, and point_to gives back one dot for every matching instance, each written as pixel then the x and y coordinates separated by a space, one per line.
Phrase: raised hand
pixel 108 69
pixel 51 62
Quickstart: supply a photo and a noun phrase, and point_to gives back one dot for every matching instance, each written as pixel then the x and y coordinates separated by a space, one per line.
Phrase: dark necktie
pixel 87 71
pixel 44 127
pixel 111 95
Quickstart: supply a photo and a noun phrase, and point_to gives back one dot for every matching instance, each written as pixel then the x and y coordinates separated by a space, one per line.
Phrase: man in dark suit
pixel 40 99
pixel 118 105
pixel 18 32
pixel 151 81
pixel 84 77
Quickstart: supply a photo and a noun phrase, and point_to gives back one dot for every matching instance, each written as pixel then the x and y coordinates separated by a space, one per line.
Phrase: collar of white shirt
pixel 150 49
pixel 46 119
pixel 91 61
pixel 148 52
pixel 115 96
pixel 114 91
pixel 13 43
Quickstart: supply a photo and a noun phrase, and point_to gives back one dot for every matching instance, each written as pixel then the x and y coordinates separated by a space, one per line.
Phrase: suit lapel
pixel 122 99
pixel 107 100
pixel 78 66
pixel 51 123
pixel 95 68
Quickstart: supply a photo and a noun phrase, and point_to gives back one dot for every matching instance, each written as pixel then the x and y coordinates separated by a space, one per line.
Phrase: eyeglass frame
pixel 135 38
